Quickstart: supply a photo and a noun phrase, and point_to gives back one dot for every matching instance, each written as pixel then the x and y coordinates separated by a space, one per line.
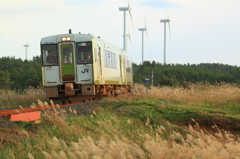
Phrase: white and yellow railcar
pixel 81 66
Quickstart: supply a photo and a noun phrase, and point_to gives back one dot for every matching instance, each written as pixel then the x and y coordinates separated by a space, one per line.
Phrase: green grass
pixel 155 109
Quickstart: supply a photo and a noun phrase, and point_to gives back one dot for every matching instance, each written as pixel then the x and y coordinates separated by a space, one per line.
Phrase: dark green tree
pixel 5 80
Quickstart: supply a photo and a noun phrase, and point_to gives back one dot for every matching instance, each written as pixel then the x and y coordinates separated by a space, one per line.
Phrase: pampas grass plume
pixel 51 102
pixel 75 146
pixel 108 156
pixel 97 157
pixel 190 128
pixel 64 145
pixel 11 155
pixel 79 154
pixel 57 105
pixel 55 143
pixel 40 103
pixel 30 156
pixel 63 155
pixel 84 154
pixel 18 111
pixel 56 155
pixel 75 112
pixel 147 122
pixel 47 155
pixel 129 122
pixel 72 155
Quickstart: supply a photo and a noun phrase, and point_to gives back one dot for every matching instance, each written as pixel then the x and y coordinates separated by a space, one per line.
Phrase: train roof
pixel 74 37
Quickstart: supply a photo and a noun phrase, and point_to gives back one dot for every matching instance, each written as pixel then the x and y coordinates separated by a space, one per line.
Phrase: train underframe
pixel 70 92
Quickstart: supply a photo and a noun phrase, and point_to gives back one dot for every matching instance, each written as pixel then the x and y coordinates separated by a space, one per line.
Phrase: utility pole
pixel 152 78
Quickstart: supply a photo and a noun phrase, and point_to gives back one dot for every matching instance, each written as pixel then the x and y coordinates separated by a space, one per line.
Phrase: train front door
pixel 67 63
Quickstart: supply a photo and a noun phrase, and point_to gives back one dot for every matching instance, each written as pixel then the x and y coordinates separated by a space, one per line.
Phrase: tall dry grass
pixel 195 93
pixel 14 98
pixel 197 143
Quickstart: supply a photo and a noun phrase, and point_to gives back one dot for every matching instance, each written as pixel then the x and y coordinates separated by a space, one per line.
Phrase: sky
pixel 201 31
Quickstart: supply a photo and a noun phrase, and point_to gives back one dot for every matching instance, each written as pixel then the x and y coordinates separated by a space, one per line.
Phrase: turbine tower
pixel 124 9
pixel 26 46
pixel 165 21
pixel 142 30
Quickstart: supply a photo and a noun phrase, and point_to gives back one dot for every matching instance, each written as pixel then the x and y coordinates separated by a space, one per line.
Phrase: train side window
pixel 84 55
pixel 110 59
pixel 49 55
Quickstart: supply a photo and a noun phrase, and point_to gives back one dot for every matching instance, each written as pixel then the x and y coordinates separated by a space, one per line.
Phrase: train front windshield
pixel 84 53
pixel 49 55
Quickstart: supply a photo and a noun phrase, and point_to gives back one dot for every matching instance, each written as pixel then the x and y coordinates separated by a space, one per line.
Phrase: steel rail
pixel 27 110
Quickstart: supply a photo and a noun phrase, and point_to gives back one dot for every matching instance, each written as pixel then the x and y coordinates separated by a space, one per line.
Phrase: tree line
pixel 20 74
pixel 181 74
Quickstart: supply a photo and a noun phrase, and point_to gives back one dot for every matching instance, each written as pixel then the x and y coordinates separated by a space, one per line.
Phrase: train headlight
pixel 66 39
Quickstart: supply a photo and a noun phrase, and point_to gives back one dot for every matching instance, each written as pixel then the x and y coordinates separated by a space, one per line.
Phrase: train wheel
pixel 64 102
pixel 69 101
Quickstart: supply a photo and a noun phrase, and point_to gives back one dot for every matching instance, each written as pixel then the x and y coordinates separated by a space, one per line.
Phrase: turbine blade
pixel 169 32
pixel 168 17
pixel 130 39
pixel 129 10
pixel 145 23
pixel 169 28
pixel 147 33
pixel 129 36
pixel 131 18
pixel 26 38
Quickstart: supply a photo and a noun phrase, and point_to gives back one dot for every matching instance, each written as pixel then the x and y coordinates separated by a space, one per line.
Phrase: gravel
pixel 81 108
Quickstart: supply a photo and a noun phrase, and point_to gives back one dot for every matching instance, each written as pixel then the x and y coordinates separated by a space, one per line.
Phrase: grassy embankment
pixel 137 127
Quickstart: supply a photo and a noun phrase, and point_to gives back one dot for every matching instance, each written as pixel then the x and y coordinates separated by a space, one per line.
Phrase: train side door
pixel 99 69
pixel 123 69
pixel 67 63
pixel 120 62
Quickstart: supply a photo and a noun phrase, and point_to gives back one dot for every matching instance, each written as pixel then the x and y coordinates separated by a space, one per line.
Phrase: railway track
pixel 31 114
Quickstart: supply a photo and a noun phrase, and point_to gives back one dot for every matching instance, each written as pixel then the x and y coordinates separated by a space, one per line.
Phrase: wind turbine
pixel 124 9
pixel 165 21
pixel 26 46
pixel 142 30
